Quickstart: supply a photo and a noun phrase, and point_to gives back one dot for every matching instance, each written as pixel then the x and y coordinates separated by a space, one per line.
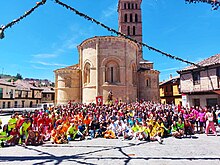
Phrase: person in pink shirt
pixel 192 119
pixel 201 119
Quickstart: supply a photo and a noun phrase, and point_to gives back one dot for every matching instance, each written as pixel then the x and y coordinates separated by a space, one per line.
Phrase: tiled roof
pixel 23 85
pixel 171 79
pixel 3 82
pixel 213 60
pixel 72 67
pixel 48 90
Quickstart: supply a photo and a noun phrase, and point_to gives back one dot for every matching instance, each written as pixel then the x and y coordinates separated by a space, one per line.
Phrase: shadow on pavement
pixel 81 158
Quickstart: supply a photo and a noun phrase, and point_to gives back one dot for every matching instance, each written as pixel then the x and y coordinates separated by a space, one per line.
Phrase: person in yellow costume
pixel 154 131
pixel 135 129
pixel 160 129
pixel 12 123
pixel 24 130
pixel 143 132
pixel 4 137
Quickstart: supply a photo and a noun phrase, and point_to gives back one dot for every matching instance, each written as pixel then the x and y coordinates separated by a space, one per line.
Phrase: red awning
pixel 217 91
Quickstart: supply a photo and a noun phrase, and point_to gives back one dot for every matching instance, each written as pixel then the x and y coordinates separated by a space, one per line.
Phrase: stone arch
pixel 112 58
pixel 126 18
pixel 111 69
pixel 86 73
pixel 148 82
pixel 131 17
pixel 136 18
pixel 112 72
pixel 88 61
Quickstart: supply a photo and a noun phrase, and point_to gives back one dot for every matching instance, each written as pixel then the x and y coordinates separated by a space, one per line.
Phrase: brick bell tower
pixel 130 19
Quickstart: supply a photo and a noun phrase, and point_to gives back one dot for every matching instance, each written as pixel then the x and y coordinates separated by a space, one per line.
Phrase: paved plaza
pixel 200 149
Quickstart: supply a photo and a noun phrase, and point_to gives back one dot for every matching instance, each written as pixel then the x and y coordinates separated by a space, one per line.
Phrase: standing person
pixel 0 124
pixel 201 119
pixel 210 122
pixel 218 115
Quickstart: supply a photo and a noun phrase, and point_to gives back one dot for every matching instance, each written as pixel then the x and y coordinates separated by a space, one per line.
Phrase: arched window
pixel 124 5
pixel 134 75
pixel 136 18
pixel 132 6
pixel 134 30
pixel 129 6
pixel 136 6
pixel 148 82
pixel 87 73
pixel 131 17
pixel 126 18
pixel 112 72
pixel 128 30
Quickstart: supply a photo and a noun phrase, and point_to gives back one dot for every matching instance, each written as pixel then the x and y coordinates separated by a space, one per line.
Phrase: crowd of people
pixel 142 120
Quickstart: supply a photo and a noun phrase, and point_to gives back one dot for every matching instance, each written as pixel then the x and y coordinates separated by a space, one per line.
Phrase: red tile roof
pixel 213 60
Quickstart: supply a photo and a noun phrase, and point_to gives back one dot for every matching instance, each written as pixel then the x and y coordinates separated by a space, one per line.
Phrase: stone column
pixel 97 67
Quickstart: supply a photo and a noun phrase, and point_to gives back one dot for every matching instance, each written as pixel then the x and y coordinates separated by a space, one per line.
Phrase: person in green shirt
pixel 135 129
pixel 24 130
pixel 11 123
pixel 3 136
pixel 180 126
pixel 177 129
pixel 73 133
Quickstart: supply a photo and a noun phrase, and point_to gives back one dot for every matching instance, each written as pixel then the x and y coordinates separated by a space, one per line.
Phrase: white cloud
pixel 45 55
pixel 111 10
pixel 169 69
pixel 37 67
pixel 48 63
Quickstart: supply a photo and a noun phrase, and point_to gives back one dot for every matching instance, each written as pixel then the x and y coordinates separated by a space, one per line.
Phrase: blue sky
pixel 47 39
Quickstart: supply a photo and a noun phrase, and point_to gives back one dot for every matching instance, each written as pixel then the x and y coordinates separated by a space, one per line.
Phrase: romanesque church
pixel 111 63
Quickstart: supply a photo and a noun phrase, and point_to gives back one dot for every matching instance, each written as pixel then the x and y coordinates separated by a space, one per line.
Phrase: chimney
pixel 171 76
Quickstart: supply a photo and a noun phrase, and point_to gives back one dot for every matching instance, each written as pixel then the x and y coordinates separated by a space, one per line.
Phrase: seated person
pixel 58 137
pixel 3 136
pixel 15 136
pixel 73 133
pixel 143 132
pixel 127 132
pixel 153 134
pixel 109 133
pixel 175 130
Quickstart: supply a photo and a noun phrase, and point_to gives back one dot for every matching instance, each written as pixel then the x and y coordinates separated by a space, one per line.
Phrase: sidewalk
pixel 201 150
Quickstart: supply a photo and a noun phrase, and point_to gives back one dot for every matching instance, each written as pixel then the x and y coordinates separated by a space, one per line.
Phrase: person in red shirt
pixel 15 135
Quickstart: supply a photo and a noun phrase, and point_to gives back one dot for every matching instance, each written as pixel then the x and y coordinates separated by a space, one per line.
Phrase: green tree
pixel 19 76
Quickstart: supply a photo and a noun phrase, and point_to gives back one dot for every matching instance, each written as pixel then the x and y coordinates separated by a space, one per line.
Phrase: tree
pixel 19 76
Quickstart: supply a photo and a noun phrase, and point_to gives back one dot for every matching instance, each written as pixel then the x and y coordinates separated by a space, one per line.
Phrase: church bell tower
pixel 130 19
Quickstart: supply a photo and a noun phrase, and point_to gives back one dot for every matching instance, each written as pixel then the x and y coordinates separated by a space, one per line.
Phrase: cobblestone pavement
pixel 200 149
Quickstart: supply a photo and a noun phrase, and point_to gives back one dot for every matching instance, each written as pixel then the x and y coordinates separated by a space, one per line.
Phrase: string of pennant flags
pixel 214 3
pixel 38 4
pixel 27 13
